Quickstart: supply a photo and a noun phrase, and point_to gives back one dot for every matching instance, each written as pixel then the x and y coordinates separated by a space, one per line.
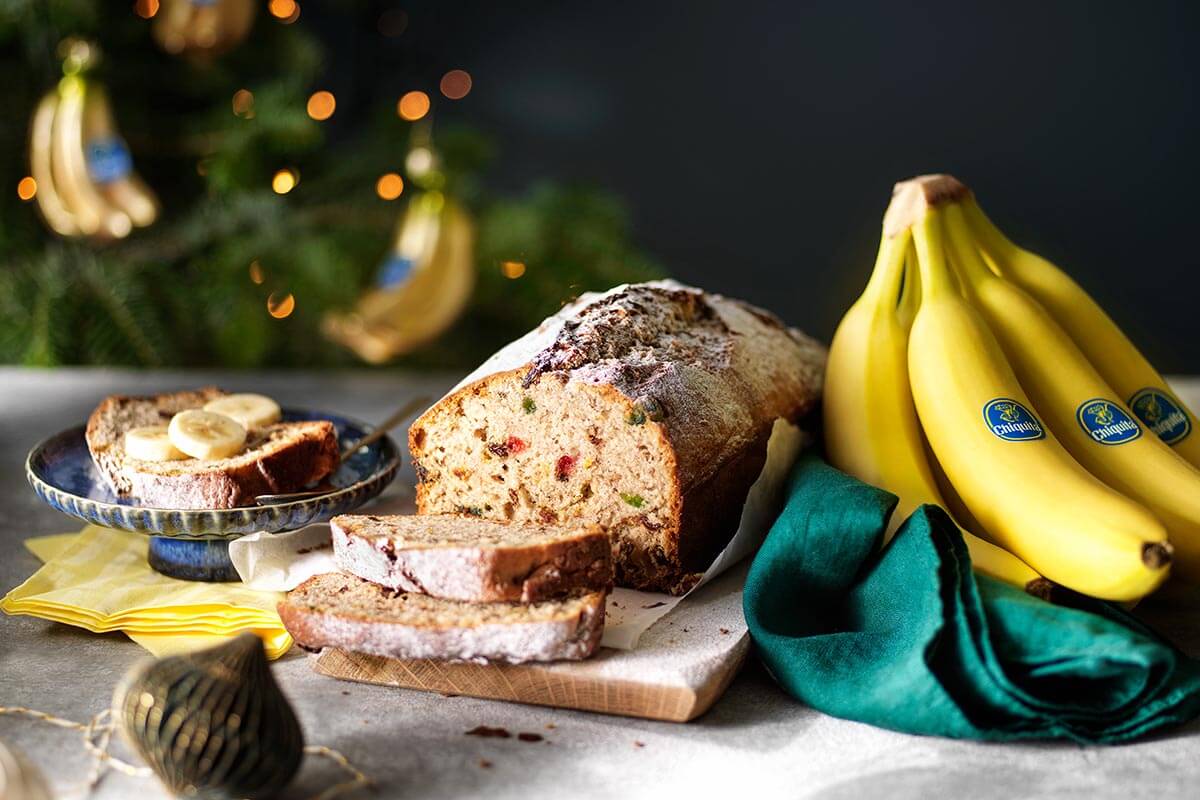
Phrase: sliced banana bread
pixel 282 457
pixel 464 558
pixel 646 409
pixel 345 611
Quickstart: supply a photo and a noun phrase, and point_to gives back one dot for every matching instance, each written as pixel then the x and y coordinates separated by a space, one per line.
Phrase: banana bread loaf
pixel 646 409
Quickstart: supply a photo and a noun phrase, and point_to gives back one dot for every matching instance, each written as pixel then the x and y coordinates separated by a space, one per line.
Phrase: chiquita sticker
pixel 1012 421
pixel 1106 422
pixel 1165 418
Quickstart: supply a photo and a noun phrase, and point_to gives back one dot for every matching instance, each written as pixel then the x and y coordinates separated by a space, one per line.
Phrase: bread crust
pixel 513 572
pixel 720 385
pixel 291 455
pixel 573 634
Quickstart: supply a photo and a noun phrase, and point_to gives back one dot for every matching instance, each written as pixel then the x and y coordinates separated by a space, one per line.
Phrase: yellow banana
pixel 92 212
pixel 109 164
pixel 1027 492
pixel 54 210
pixel 424 285
pixel 871 428
pixel 1081 409
pixel 1111 352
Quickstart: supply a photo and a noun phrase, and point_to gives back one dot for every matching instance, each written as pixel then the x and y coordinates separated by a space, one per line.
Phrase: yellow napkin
pixel 98 579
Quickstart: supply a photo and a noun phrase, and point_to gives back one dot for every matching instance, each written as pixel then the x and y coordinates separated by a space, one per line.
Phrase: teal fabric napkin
pixel 911 639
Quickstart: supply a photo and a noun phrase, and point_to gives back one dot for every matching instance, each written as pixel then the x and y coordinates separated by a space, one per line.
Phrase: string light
pixel 413 106
pixel 389 186
pixel 280 305
pixel 243 103
pixel 286 11
pixel 512 269
pixel 284 181
pixel 26 188
pixel 456 84
pixel 321 105
pixel 145 8
pixel 256 273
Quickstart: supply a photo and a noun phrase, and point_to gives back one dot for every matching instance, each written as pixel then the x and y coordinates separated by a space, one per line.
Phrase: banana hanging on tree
pixel 1137 383
pixel 422 287
pixel 1023 487
pixel 871 428
pixel 82 167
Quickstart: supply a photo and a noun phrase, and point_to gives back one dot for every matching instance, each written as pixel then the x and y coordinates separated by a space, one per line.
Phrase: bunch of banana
pixel 422 287
pixel 84 174
pixel 1056 439
pixel 202 28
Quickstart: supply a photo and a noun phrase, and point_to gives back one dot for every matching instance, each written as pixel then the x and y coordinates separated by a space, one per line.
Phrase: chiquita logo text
pixel 1159 412
pixel 1011 421
pixel 1106 422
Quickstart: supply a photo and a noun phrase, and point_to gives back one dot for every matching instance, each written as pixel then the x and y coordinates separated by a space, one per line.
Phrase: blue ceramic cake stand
pixel 194 544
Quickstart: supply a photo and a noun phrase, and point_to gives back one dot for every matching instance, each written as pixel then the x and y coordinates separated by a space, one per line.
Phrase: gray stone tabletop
pixel 755 739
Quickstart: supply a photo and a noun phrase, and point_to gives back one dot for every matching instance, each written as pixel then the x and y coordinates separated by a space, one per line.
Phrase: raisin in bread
pixel 464 558
pixel 344 611
pixel 277 458
pixel 646 410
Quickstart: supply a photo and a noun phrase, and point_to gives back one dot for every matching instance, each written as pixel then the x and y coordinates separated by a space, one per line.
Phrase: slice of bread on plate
pixel 465 558
pixel 277 458
pixel 345 611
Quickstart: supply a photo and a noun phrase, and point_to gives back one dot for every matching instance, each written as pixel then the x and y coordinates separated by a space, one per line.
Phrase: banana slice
pixel 151 443
pixel 205 434
pixel 252 410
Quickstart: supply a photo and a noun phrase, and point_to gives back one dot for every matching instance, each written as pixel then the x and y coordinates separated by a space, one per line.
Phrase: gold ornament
pixel 86 186
pixel 425 283
pixel 202 29
pixel 212 724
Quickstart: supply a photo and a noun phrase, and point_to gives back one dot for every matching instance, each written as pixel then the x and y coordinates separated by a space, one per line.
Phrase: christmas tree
pixel 265 233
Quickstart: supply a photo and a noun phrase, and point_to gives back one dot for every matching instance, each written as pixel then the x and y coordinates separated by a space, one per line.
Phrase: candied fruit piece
pixel 515 445
pixel 634 500
pixel 564 467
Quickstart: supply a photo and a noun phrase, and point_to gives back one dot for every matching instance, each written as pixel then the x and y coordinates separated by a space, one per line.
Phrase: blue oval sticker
pixel 1106 422
pixel 1159 412
pixel 1012 421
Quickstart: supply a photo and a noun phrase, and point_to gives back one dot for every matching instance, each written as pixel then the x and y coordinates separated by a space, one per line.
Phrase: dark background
pixel 756 143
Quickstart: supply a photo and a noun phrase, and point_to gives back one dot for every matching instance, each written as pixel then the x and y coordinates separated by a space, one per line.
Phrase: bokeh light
pixel 389 186
pixel 456 84
pixel 286 11
pixel 281 304
pixel 243 103
pixel 413 106
pixel 26 188
pixel 512 269
pixel 257 276
pixel 145 8
pixel 321 105
pixel 284 181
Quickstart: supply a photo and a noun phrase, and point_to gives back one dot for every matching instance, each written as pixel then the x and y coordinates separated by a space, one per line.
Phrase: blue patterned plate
pixel 61 471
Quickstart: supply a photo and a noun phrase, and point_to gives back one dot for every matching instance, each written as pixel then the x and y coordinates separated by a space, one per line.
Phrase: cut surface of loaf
pixel 465 558
pixel 646 410
pixel 276 458
pixel 345 611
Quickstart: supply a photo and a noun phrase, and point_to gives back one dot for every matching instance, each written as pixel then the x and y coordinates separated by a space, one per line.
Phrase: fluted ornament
pixel 213 723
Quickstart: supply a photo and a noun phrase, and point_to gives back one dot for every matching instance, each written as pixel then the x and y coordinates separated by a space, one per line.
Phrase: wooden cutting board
pixel 681 665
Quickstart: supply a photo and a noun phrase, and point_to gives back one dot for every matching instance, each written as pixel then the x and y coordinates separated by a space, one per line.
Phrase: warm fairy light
pixel 419 161
pixel 285 180
pixel 393 22
pixel 26 188
pixel 243 103
pixel 512 269
pixel 321 105
pixel 145 8
pixel 389 186
pixel 286 11
pixel 413 106
pixel 456 84
pixel 256 273
pixel 281 304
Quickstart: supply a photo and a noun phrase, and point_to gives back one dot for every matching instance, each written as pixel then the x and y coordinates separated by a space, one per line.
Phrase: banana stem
pixel 936 278
pixel 968 264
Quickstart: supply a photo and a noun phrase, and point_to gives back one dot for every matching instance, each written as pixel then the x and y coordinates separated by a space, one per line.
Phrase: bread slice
pixel 464 558
pixel 283 457
pixel 339 610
